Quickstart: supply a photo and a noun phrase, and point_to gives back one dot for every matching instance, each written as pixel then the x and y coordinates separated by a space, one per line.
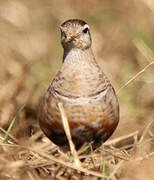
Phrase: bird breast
pixel 80 75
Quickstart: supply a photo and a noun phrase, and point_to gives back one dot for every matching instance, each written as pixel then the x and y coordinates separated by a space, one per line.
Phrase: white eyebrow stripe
pixel 61 28
pixel 86 26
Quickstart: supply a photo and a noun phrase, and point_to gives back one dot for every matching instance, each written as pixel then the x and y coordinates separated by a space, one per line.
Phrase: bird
pixel 88 98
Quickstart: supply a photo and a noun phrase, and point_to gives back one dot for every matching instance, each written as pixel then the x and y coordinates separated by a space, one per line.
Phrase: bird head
pixel 75 33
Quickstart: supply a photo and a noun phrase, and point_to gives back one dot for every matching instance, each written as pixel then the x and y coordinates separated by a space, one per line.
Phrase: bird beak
pixel 66 38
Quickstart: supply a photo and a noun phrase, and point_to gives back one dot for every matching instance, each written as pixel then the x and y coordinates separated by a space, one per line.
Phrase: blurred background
pixel 31 55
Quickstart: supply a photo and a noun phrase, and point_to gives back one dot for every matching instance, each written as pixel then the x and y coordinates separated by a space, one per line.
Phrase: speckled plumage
pixel 88 97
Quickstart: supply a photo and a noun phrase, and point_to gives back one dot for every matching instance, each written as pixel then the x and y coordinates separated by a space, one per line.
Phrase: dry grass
pixel 33 159
pixel 123 42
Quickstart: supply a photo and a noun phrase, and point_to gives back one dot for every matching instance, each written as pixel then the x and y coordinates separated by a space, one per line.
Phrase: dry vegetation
pixel 30 55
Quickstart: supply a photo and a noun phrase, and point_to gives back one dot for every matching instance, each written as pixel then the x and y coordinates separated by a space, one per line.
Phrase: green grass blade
pixel 11 125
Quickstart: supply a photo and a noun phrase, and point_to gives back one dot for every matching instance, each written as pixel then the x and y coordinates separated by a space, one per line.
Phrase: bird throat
pixel 80 74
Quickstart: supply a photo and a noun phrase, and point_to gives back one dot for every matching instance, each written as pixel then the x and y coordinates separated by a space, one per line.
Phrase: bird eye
pixel 63 34
pixel 85 30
